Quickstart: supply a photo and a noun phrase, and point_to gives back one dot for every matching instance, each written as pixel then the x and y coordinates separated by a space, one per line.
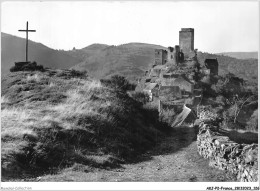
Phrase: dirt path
pixel 174 160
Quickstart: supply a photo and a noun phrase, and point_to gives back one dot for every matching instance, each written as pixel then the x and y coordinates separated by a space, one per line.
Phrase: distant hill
pixel 100 60
pixel 13 50
pixel 131 60
pixel 241 55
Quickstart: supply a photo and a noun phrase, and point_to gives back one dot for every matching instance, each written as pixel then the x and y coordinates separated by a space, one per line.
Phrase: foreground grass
pixel 54 120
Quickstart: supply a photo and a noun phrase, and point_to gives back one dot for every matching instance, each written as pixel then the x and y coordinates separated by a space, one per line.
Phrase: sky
pixel 220 26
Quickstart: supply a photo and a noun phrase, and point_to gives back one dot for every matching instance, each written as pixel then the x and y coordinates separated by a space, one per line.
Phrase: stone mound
pixel 26 66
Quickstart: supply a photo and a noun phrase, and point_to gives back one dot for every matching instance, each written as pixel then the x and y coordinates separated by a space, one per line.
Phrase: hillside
pixel 100 60
pixel 56 119
pixel 244 68
pixel 13 50
pixel 240 55
pixel 131 60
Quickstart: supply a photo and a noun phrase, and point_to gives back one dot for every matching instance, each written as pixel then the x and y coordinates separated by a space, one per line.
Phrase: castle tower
pixel 186 40
pixel 160 56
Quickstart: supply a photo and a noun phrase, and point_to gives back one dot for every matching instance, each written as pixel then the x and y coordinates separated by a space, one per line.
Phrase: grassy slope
pixel 53 120
pixel 13 50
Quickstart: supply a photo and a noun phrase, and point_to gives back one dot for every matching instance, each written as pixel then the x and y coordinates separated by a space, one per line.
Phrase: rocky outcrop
pixel 239 159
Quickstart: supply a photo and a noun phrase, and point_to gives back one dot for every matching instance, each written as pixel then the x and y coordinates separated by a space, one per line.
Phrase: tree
pixel 236 105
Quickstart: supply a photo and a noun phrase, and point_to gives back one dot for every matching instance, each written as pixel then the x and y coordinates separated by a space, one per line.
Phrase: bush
pixel 140 97
pixel 30 66
pixel 118 82
pixel 68 74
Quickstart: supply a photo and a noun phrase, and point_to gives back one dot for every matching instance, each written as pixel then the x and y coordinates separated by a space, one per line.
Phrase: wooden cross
pixel 27 38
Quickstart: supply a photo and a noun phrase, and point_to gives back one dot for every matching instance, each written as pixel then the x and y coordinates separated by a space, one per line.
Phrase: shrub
pixel 140 97
pixel 30 66
pixel 68 74
pixel 118 82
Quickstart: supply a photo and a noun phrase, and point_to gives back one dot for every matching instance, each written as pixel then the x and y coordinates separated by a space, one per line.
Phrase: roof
pixel 159 67
pixel 210 60
pixel 170 75
pixel 197 92
pixel 173 88
pixel 169 92
pixel 182 78
pixel 150 86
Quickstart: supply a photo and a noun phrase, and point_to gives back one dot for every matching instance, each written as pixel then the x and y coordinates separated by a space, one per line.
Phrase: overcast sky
pixel 219 26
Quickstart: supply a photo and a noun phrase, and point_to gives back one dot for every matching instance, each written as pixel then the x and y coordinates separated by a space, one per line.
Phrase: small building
pixel 147 80
pixel 168 81
pixel 184 83
pixel 169 93
pixel 152 90
pixel 212 64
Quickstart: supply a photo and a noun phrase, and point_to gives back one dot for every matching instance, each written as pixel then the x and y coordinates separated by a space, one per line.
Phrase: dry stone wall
pixel 239 159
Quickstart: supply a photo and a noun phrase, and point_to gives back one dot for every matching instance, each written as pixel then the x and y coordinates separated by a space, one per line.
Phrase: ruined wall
pixel 176 53
pixel 186 40
pixel 160 56
pixel 239 159
pixel 170 55
pixel 212 65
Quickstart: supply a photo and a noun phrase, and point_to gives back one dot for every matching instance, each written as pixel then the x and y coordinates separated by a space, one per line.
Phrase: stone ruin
pixel 176 78
pixel 176 75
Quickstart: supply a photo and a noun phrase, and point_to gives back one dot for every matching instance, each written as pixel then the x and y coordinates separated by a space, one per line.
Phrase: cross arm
pixel 27 30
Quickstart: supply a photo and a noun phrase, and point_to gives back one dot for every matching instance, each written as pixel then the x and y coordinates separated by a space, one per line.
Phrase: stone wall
pixel 212 64
pixel 239 159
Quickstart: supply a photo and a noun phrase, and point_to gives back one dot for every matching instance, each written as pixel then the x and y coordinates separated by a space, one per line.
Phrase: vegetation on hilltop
pixel 243 68
pixel 56 119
